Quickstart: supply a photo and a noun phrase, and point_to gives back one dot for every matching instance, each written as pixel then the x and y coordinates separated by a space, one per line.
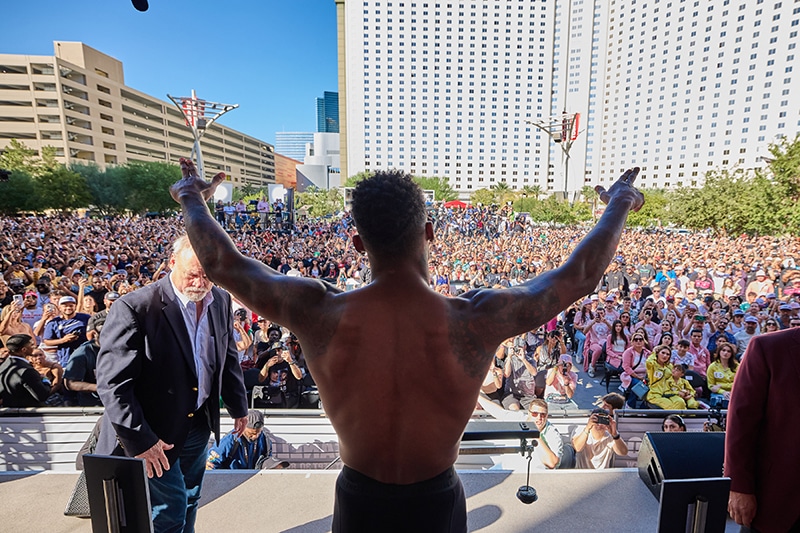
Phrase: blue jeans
pixel 581 338
pixel 174 496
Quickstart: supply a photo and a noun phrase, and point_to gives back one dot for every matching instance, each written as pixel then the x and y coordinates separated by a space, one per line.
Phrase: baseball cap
pixel 771 296
pixel 761 273
pixel 751 319
pixel 31 293
pixel 255 419
pixel 66 300
pixel 111 296
pixel 785 307
pixel 633 287
pixel 594 297
pixel 738 312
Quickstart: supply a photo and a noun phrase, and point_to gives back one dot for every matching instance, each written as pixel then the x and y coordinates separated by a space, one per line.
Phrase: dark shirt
pixel 20 384
pixel 98 296
pixel 82 366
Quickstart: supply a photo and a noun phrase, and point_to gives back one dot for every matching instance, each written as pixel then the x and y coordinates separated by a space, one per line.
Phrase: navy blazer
pixel 146 375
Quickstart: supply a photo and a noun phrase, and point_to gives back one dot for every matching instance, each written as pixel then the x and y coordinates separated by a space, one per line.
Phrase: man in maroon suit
pixel 762 435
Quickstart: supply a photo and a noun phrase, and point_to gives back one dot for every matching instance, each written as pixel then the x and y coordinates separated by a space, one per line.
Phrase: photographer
pixel 547 356
pixel 280 378
pixel 520 377
pixel 250 451
pixel 561 382
pixel 597 443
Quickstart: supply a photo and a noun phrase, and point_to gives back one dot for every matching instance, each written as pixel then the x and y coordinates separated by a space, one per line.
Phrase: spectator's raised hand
pixel 191 183
pixel 623 188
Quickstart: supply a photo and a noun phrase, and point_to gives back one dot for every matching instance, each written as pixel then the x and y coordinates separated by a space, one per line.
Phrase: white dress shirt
pixel 200 339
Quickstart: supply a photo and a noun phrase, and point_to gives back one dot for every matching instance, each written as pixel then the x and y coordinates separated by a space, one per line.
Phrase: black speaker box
pixel 680 456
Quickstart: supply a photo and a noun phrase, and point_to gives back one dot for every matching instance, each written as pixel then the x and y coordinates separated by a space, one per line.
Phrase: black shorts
pixel 363 504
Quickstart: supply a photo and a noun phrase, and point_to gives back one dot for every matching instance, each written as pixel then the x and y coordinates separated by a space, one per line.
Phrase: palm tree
pixel 591 197
pixel 531 191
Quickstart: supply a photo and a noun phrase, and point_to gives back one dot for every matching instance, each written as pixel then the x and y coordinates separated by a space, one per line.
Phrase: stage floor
pixel 302 501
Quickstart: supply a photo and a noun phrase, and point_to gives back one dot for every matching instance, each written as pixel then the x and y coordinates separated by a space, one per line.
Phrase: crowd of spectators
pixel 698 294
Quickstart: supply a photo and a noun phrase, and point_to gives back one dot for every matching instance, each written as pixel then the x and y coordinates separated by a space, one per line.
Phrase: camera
pixel 602 416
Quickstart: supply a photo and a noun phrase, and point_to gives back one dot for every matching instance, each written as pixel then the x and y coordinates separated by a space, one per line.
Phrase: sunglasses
pixel 638 339
pixel 537 413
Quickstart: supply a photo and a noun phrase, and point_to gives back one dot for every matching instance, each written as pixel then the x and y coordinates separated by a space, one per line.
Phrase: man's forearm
pixel 595 251
pixel 80 386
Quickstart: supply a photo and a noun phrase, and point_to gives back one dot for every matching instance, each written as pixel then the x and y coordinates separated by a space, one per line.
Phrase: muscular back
pixel 399 377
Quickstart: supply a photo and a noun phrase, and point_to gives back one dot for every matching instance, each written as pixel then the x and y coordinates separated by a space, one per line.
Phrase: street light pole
pixel 199 115
pixel 563 130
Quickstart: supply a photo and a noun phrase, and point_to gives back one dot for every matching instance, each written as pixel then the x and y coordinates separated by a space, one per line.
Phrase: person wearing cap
pixel 783 316
pixel 762 285
pixel 100 317
pixel 66 332
pixel 615 277
pixel 743 337
pixel 737 322
pixel 166 358
pixel 561 382
pixel 248 451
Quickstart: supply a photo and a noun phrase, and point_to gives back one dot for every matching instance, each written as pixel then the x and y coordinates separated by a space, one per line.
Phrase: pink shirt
pixel 630 368
pixel 701 359
pixel 614 353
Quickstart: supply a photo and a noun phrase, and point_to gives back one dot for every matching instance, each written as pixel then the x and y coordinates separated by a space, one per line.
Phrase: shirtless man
pixel 398 366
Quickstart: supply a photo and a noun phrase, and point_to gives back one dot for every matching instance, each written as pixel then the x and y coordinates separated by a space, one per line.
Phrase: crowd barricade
pixel 49 438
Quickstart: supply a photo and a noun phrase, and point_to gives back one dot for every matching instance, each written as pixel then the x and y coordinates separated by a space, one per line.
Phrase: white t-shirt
pixel 596 454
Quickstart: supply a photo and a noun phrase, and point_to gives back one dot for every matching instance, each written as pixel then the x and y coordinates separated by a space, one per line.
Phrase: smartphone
pixel 18 299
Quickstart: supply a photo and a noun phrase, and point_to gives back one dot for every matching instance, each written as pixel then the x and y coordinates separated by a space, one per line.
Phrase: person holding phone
pixel 11 319
pixel 596 444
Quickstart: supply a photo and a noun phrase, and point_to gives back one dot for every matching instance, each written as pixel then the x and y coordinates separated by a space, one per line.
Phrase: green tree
pixel 654 212
pixel 784 170
pixel 483 197
pixel 353 180
pixel 531 191
pixel 17 156
pixel 18 194
pixel 320 202
pixel 107 187
pixel 440 186
pixel 147 186
pixel 62 189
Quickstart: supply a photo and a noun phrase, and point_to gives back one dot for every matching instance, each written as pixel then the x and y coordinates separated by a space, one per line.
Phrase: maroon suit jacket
pixel 763 433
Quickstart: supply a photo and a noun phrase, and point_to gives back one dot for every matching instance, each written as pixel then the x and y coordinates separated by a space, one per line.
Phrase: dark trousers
pixel 363 504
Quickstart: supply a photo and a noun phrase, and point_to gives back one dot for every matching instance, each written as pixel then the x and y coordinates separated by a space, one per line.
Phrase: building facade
pixel 328 113
pixel 440 88
pixel 293 144
pixel 77 102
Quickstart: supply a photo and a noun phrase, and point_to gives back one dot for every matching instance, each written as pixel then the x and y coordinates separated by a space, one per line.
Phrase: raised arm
pixel 282 299
pixel 527 306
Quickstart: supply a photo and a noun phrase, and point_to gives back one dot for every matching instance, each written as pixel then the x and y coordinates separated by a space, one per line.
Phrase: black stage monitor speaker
pixel 680 456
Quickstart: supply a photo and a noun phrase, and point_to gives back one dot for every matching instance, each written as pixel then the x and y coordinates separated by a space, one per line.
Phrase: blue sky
pixel 272 57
